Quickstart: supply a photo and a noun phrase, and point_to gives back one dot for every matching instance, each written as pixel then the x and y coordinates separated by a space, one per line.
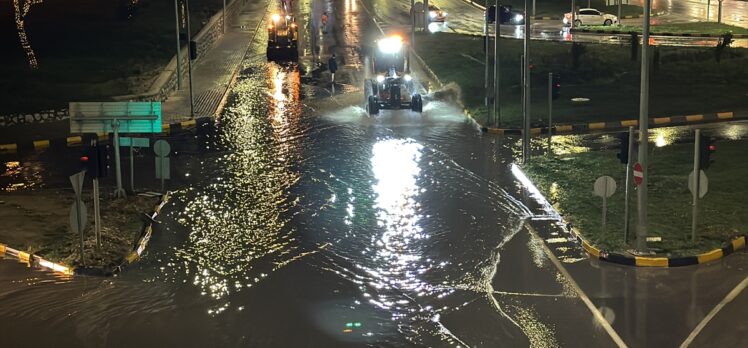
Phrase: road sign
pixel 161 148
pixel 74 216
pixel 638 173
pixel 703 183
pixel 162 168
pixel 132 117
pixel 134 142
pixel 77 181
pixel 605 186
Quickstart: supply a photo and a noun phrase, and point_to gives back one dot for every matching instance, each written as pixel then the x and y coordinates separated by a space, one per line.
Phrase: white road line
pixel 731 296
pixel 595 312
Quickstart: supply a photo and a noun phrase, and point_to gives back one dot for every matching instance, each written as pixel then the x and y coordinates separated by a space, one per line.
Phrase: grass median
pixel 557 8
pixel 567 181
pixel 88 50
pixel 684 80
pixel 677 28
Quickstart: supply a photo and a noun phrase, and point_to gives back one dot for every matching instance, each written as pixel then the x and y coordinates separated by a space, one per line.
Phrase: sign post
pixel 628 187
pixel 605 186
pixel 698 184
pixel 134 142
pixel 162 149
pixel 78 215
pixel 116 117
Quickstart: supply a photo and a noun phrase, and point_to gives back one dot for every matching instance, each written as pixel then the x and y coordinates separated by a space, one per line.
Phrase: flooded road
pixel 303 222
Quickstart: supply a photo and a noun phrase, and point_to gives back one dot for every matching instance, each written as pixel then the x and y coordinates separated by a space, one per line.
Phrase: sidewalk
pixel 213 73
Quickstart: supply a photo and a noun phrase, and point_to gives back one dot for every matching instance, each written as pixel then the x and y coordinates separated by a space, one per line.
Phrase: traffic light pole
pixel 189 60
pixel 497 34
pixel 485 49
pixel 179 46
pixel 526 69
pixel 697 181
pixel 119 192
pixel 96 205
pixel 550 112
pixel 628 187
pixel 642 221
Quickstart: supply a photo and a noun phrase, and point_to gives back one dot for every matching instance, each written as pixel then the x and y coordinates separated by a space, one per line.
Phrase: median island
pixel 567 180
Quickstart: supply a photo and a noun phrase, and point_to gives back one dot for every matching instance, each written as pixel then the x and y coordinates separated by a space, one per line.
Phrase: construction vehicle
pixel 392 86
pixel 283 38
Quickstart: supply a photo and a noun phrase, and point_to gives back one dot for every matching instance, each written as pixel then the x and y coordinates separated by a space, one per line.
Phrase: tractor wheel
pixel 416 103
pixel 372 106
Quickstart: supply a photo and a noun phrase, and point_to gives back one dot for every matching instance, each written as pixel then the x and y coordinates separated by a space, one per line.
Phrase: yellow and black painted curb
pixel 624 124
pixel 618 32
pixel 35 260
pixel 78 140
pixel 728 248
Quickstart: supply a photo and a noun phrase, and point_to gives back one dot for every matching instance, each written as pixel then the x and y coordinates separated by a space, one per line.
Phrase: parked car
pixel 436 14
pixel 590 16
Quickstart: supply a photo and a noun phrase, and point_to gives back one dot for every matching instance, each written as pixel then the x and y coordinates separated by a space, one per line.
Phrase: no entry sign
pixel 638 174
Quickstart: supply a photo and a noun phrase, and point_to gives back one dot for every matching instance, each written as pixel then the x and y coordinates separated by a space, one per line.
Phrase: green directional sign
pixel 128 117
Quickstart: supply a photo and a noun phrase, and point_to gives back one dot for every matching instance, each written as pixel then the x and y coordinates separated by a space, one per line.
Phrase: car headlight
pixel 380 78
pixel 518 17
pixel 407 77
pixel 432 14
pixel 444 14
pixel 566 20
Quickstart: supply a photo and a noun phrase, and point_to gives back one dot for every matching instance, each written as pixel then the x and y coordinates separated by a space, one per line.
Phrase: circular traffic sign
pixel 638 174
pixel 161 148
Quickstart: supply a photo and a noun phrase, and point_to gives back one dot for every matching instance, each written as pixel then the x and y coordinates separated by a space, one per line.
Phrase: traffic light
pixel 706 151
pixel 491 14
pixel 95 161
pixel 556 88
pixel 623 152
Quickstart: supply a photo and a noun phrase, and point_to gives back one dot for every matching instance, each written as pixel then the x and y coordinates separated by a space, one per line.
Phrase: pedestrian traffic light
pixel 706 151
pixel 623 152
pixel 95 161
pixel 491 14
pixel 556 87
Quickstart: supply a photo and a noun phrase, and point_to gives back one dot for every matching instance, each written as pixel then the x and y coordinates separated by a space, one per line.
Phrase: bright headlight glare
pixel 432 14
pixel 519 17
pixel 407 77
pixel 391 44
pixel 380 78
pixel 276 17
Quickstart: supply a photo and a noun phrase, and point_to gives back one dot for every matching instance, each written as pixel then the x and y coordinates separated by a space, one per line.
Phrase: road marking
pixel 731 296
pixel 595 312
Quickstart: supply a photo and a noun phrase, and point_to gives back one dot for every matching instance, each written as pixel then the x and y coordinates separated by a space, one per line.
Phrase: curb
pixel 737 243
pixel 617 125
pixel 140 245
pixel 35 260
pixel 79 140
pixel 618 32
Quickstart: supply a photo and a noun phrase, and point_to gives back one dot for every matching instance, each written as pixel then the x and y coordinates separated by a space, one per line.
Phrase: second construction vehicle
pixel 392 86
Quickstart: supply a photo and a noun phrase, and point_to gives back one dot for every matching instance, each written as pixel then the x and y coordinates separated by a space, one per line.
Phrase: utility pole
pixel 179 46
pixel 189 58
pixel 573 12
pixel 619 12
pixel 426 18
pixel 696 182
pixel 708 8
pixel 496 98
pixel 719 12
pixel 223 16
pixel 485 49
pixel 641 194
pixel 413 25
pixel 526 69
pixel 533 7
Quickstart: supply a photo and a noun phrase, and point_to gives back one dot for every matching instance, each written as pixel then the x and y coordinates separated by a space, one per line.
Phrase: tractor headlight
pixel 518 17
pixel 432 14
pixel 276 17
pixel 407 77
pixel 380 78
pixel 391 44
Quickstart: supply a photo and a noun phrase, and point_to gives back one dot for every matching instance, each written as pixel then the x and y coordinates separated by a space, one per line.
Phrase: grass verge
pixel 677 28
pixel 684 80
pixel 567 181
